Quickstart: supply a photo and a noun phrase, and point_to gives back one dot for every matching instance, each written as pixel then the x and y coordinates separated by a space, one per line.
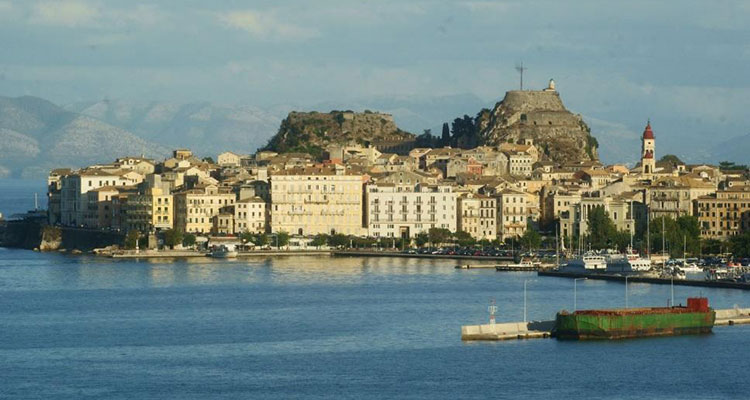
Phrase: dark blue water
pixel 84 327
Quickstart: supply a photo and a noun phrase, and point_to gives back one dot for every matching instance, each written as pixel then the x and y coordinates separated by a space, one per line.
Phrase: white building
pixel 406 210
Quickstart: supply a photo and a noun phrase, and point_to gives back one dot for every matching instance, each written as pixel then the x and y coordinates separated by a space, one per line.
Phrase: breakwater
pixel 27 234
pixel 369 253
pixel 643 279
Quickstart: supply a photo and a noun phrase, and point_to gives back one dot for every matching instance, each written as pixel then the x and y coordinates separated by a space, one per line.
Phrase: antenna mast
pixel 520 68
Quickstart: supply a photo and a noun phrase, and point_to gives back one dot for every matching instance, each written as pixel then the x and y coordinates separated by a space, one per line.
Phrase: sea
pixel 80 327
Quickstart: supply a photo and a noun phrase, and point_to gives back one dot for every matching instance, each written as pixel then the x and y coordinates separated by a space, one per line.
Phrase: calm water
pixel 296 327
pixel 17 195
pixel 77 327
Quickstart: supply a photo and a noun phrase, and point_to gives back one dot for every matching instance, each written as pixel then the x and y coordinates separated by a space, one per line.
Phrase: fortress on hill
pixel 540 115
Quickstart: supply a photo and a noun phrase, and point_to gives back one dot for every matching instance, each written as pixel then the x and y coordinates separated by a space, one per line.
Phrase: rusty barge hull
pixel 697 318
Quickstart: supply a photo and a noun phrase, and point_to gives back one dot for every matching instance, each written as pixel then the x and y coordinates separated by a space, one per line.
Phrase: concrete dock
pixel 388 253
pixel 508 331
pixel 643 279
pixel 543 329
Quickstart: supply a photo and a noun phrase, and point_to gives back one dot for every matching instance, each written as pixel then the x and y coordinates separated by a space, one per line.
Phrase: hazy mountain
pixel 37 135
pixel 736 150
pixel 206 128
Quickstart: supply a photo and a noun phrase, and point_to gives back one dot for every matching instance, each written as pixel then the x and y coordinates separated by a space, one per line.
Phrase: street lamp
pixel 524 296
pixel 575 292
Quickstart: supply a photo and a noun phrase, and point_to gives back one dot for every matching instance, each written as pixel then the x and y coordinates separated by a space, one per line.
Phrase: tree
pixel 172 237
pixel 445 138
pixel 319 240
pixel 684 230
pixel 283 239
pixel 712 246
pixel 338 240
pixel 464 239
pixel 672 159
pixel 188 240
pixel 209 160
pixel 422 239
pixel 531 239
pixel 739 245
pixel 601 228
pixel 131 239
pixel 438 235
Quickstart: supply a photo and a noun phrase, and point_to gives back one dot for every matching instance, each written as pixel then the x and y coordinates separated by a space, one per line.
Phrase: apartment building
pixel 401 210
pixel 313 200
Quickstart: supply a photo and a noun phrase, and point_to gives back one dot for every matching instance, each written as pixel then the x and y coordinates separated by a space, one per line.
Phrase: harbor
pixel 646 279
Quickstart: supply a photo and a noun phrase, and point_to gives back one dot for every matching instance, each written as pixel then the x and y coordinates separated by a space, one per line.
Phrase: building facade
pixel 403 211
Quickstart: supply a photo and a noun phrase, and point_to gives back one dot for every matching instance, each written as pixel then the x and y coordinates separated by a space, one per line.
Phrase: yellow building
pixel 476 216
pixel 511 213
pixel 725 213
pixel 195 209
pixel 152 210
pixel 312 200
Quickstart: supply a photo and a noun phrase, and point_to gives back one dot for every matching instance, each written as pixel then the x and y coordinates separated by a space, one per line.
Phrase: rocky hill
pixel 312 131
pixel 540 115
pixel 37 135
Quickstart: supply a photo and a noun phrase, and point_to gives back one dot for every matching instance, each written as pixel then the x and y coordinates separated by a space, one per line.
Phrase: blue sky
pixel 684 64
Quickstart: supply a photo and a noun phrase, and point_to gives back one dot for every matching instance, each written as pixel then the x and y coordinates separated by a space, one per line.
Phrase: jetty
pixel 543 329
pixel 645 279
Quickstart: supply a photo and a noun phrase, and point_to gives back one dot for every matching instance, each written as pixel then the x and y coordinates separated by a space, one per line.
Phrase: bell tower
pixel 647 151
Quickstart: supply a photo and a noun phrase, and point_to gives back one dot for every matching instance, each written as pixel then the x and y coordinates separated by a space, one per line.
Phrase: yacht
pixel 589 262
pixel 627 263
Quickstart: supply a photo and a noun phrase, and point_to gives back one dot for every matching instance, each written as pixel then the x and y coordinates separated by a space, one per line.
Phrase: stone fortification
pixel 560 135
pixel 313 131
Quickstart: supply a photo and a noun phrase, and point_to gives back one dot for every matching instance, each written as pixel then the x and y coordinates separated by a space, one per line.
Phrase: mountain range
pixel 37 135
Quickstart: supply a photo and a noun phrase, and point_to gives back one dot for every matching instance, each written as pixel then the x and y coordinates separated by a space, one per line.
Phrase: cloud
pixel 265 25
pixel 64 13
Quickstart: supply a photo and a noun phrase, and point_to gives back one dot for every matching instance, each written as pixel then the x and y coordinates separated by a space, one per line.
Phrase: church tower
pixel 647 151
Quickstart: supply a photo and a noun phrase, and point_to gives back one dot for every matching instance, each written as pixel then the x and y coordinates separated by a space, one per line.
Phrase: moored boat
pixel 695 318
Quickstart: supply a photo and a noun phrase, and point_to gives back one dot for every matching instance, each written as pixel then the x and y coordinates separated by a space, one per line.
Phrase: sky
pixel 683 64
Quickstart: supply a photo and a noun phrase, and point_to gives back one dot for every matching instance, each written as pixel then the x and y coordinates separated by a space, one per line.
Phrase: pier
pixel 370 253
pixel 644 279
pixel 543 329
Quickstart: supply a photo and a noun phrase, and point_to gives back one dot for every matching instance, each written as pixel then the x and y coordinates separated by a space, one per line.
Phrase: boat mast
pixel 648 233
pixel 557 247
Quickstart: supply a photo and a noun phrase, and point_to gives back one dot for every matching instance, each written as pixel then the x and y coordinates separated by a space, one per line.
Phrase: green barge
pixel 695 318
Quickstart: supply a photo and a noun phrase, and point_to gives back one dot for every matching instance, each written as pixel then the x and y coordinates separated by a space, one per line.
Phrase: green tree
pixel 739 245
pixel 438 235
pixel 445 138
pixel 422 239
pixel 188 240
pixel 319 240
pixel 712 246
pixel 338 240
pixel 283 238
pixel 685 230
pixel 672 159
pixel 172 237
pixel 131 239
pixel 602 229
pixel 464 239
pixel 531 239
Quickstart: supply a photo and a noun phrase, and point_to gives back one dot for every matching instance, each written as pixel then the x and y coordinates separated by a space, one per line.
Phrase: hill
pixel 312 131
pixel 540 115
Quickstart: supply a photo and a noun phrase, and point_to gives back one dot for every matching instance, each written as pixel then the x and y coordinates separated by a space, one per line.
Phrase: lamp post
pixel 575 292
pixel 524 296
pixel 626 291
